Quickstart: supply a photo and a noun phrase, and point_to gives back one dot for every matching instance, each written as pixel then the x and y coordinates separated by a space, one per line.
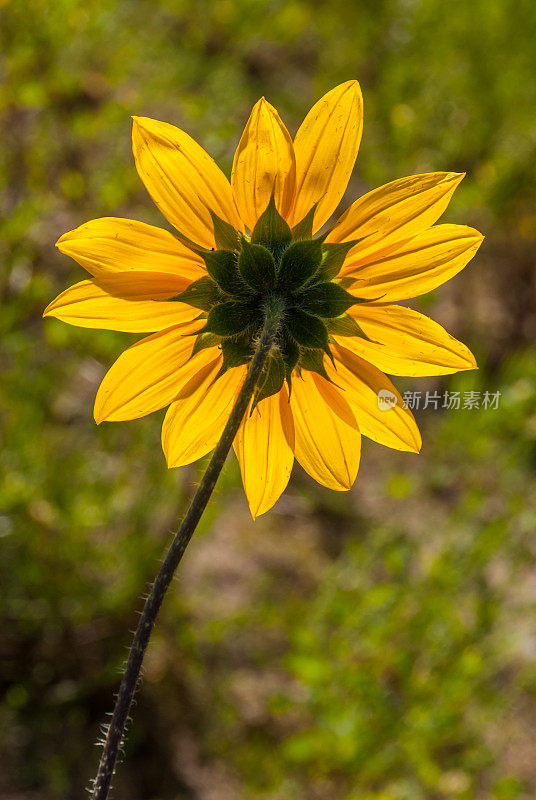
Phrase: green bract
pixel 276 263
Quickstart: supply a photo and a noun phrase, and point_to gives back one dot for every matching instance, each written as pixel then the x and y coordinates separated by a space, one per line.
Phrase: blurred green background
pixel 375 645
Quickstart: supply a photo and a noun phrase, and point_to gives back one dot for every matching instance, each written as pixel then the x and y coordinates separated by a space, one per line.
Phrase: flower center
pixel 278 266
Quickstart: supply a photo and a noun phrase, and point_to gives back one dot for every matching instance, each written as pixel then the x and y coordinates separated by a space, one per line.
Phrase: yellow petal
pixel 418 266
pixel 263 446
pixel 89 305
pixel 263 162
pixel 111 247
pixel 406 342
pixel 149 375
pixel 326 148
pixel 327 441
pixel 361 385
pixel 394 212
pixel 183 180
pixel 194 423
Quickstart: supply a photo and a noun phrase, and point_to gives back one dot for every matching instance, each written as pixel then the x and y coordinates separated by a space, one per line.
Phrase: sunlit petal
pixel 263 163
pixel 395 212
pixel 89 305
pixel 195 421
pixel 183 180
pixel 112 247
pixel 149 375
pixel 361 384
pixel 326 146
pixel 418 266
pixel 406 342
pixel 264 448
pixel 327 439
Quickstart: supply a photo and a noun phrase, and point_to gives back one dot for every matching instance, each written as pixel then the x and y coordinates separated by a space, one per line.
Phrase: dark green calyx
pixel 272 377
pixel 298 264
pixel 222 266
pixel 281 274
pixel 204 294
pixel 205 340
pixel 290 352
pixel 304 229
pixel 236 351
pixel 313 360
pixel 306 329
pixel 256 266
pixel 232 318
pixel 345 325
pixel 272 231
pixel 225 236
pixel 333 257
pixel 325 300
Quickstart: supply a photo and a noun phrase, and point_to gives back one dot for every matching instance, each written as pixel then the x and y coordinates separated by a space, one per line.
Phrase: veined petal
pixel 195 421
pixel 111 247
pixel 409 343
pixel 149 375
pixel 263 446
pixel 326 146
pixel 89 305
pixel 361 384
pixel 327 441
pixel 394 212
pixel 264 162
pixel 416 266
pixel 183 180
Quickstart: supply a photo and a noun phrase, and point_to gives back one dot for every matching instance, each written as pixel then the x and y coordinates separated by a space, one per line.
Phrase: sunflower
pixel 201 293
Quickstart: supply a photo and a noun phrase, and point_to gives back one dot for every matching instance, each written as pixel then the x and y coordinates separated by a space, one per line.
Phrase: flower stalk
pixel 272 319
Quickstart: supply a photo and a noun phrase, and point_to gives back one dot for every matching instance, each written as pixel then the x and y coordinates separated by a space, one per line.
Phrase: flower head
pixel 201 293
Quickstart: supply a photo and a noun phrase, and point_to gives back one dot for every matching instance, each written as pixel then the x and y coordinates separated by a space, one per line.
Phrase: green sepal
pixel 272 231
pixel 236 352
pixel 299 262
pixel 346 325
pixel 232 318
pixel 222 266
pixel 306 330
pixel 333 257
pixel 225 236
pixel 313 360
pixel 347 282
pixel 203 294
pixel 290 352
pixel 325 300
pixel 205 340
pixel 272 378
pixel 304 229
pixel 256 266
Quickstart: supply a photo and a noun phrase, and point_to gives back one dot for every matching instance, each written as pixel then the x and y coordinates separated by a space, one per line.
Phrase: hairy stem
pixel 116 729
